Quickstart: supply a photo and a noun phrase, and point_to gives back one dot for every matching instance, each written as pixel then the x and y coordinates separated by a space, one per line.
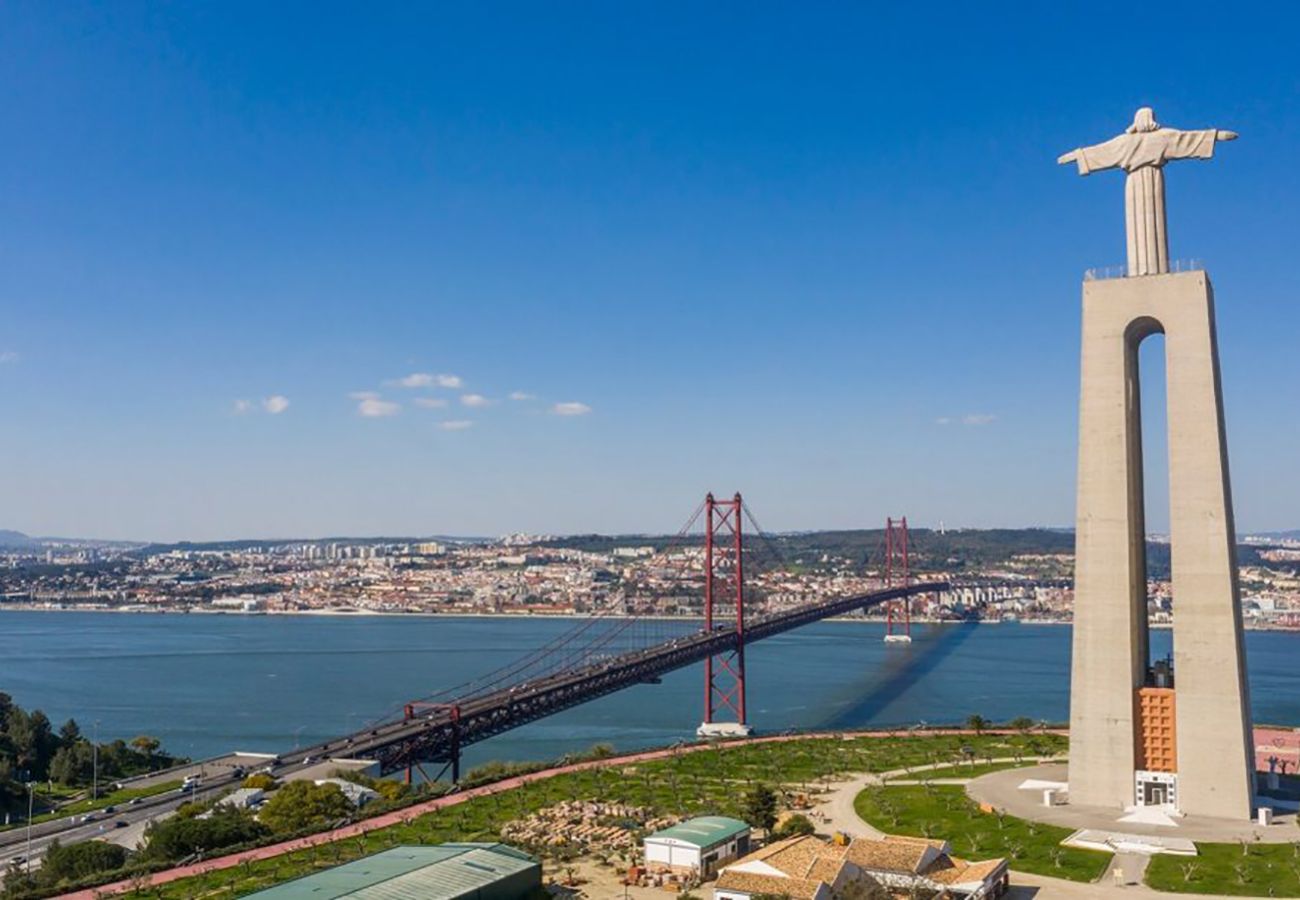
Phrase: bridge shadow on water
pixel 926 653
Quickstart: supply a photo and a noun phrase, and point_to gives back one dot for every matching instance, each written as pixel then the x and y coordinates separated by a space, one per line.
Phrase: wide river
pixel 207 684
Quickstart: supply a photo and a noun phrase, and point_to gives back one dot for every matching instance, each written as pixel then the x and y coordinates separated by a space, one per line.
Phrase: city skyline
pixel 424 274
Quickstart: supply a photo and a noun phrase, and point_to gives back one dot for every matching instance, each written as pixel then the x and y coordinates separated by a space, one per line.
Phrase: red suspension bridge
pixel 621 645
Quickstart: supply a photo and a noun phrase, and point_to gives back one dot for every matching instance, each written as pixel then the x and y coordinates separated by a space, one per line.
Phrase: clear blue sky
pixel 766 247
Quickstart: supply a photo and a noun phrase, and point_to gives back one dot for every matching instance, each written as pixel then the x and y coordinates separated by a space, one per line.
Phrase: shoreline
pixel 367 613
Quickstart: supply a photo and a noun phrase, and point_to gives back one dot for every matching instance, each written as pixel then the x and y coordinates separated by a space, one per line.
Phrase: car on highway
pixel 109 810
pixel 135 801
pixel 121 823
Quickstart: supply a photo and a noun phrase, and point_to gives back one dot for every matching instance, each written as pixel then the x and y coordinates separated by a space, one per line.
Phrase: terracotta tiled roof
pixel 826 869
pixel 753 883
pixel 887 856
pixel 808 861
pixel 936 843
pixel 977 871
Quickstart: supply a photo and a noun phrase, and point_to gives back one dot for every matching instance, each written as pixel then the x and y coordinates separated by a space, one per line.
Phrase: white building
pixel 358 794
pixel 699 845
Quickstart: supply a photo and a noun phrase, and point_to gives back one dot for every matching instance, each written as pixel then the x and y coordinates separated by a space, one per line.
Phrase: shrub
pixel 73 861
pixel 177 838
pixel 300 805
pixel 794 825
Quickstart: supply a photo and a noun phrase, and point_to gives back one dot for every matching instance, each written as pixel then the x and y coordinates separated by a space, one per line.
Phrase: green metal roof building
pixel 703 844
pixel 441 872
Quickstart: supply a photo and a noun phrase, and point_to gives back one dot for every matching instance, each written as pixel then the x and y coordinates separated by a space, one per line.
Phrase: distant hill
pixel 241 544
pixel 16 539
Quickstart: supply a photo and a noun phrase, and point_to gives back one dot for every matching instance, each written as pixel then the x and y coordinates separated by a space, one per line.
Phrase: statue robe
pixel 1142 155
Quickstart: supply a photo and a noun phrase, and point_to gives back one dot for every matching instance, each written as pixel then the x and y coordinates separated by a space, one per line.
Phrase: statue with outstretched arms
pixel 1142 151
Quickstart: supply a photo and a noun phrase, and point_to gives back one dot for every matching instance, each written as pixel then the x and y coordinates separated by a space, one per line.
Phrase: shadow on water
pixel 903 670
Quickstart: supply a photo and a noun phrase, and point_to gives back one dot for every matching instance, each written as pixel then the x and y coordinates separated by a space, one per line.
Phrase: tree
pixel 75 861
pixel 70 733
pixel 262 780
pixel 977 723
pixel 794 825
pixel 147 745
pixel 301 805
pixel 176 838
pixel 760 807
pixel 73 764
pixel 1021 723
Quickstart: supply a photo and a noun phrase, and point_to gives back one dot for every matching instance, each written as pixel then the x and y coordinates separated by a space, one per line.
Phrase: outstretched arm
pixel 1226 135
pixel 1066 158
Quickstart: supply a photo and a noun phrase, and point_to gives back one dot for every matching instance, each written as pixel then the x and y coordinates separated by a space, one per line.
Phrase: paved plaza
pixel 1003 790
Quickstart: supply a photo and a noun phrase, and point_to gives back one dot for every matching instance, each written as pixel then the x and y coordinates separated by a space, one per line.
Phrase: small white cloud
pixel 275 404
pixel 8 357
pixel 430 402
pixel 241 407
pixel 363 395
pixel 371 406
pixel 943 420
pixel 571 408
pixel 426 379
pixel 978 419
pixel 455 424
pixel 521 395
pixel 475 401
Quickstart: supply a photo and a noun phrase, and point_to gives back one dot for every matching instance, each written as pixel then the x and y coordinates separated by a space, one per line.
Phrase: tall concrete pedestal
pixel 1214 759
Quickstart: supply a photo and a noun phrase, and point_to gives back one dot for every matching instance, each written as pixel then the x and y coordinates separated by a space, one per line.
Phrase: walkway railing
pixel 1105 273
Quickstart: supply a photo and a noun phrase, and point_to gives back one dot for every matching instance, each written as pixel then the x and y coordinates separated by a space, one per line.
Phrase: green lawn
pixel 709 781
pixel 1265 870
pixel 945 811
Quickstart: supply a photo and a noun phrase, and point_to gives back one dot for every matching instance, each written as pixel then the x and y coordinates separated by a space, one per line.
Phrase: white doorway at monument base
pixel 1156 789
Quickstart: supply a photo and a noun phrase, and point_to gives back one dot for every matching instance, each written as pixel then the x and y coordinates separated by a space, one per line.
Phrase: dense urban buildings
pixel 523 575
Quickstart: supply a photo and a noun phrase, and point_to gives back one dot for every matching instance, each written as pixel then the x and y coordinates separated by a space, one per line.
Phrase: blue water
pixel 210 684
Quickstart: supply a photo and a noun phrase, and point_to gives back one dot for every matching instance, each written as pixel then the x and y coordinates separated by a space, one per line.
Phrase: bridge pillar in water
pixel 897 574
pixel 724 596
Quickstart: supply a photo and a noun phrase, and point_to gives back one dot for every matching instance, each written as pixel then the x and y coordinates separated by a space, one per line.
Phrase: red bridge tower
pixel 724 596
pixel 897 574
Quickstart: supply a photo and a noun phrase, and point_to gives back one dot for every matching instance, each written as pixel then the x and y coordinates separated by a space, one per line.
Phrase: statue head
pixel 1143 120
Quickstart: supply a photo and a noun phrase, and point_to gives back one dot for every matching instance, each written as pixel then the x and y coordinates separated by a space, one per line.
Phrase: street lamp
pixel 31 796
pixel 94 756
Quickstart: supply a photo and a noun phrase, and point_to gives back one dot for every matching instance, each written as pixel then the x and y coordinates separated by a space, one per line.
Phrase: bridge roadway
pixel 439 735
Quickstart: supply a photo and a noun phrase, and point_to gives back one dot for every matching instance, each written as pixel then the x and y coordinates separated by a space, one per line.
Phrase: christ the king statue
pixel 1142 151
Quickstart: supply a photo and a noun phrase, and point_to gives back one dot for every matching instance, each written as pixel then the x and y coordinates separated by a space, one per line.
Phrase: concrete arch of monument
pixel 1142 328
